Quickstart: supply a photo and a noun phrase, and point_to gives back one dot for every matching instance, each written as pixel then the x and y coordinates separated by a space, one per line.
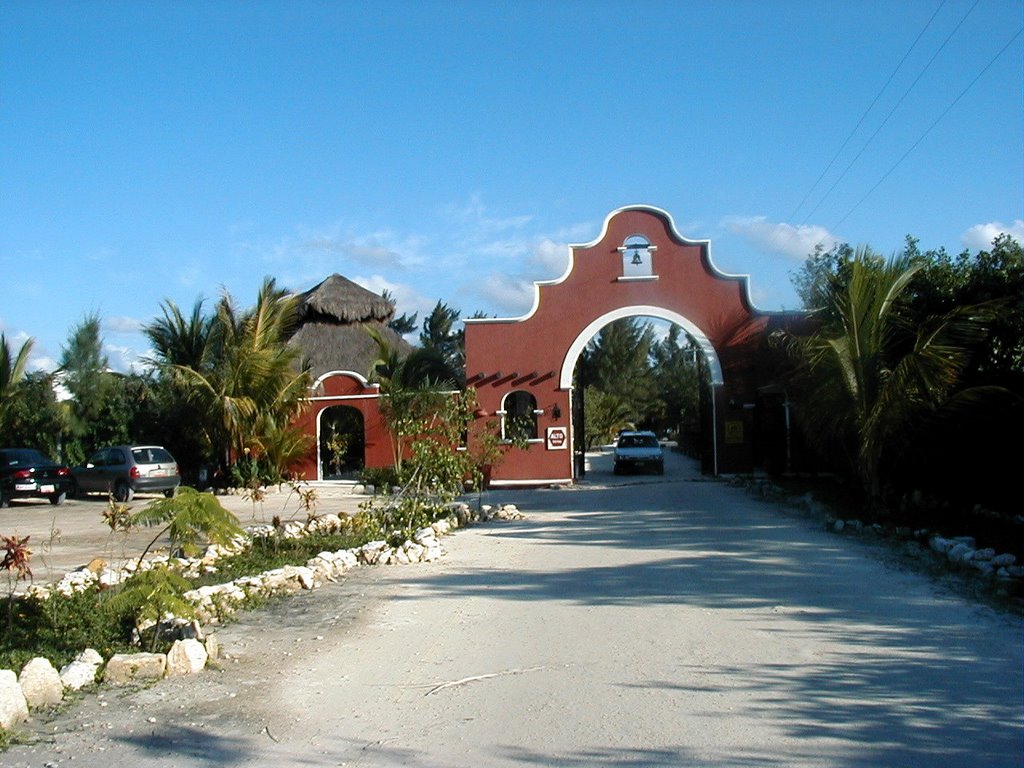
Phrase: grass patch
pixel 61 626
pixel 268 554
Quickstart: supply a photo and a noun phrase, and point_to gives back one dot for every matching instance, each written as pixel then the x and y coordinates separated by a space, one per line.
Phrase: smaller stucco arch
pixel 521 404
pixel 351 374
pixel 581 341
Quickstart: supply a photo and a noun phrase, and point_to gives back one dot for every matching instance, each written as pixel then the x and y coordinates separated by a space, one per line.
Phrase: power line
pixel 867 111
pixel 892 111
pixel 930 127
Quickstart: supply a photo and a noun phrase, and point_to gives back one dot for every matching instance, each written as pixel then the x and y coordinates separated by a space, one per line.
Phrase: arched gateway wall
pixel 353 390
pixel 617 276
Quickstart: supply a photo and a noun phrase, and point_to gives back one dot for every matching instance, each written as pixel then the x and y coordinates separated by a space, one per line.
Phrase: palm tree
pixel 872 377
pixel 415 387
pixel 236 367
pixel 12 371
pixel 180 340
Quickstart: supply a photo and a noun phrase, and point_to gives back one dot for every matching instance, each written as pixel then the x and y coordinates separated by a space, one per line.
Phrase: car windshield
pixel 151 456
pixel 638 441
pixel 22 458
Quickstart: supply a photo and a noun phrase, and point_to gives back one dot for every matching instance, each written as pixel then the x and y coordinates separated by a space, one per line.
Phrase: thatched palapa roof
pixel 339 299
pixel 333 318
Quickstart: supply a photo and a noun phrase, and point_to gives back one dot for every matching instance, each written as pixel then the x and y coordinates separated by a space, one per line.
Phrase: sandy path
pixel 647 623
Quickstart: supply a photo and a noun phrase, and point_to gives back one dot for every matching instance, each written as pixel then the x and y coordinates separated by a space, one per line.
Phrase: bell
pixel 636 257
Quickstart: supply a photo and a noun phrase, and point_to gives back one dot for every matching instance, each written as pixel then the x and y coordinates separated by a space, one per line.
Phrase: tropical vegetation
pixel 914 373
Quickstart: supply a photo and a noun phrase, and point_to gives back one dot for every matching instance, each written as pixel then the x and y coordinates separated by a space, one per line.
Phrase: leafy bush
pixel 383 478
pixel 251 472
pixel 60 626
pixel 189 518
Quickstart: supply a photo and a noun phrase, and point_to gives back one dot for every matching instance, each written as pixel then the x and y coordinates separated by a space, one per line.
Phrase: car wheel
pixel 4 501
pixel 661 469
pixel 58 498
pixel 123 492
pixel 169 493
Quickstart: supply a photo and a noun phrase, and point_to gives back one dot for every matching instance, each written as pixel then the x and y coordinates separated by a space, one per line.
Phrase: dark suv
pixel 26 473
pixel 124 470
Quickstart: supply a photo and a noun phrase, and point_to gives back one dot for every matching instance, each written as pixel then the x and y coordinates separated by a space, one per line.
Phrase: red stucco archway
pixel 350 389
pixel 639 266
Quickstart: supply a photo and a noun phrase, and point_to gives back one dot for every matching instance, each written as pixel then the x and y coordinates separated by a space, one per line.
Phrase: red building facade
pixel 640 266
pixel 344 389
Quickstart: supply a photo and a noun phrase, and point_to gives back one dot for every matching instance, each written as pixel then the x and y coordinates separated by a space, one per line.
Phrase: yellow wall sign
pixel 733 432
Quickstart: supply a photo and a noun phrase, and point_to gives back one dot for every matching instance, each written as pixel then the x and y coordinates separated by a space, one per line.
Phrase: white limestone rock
pixel 984 567
pixel 401 556
pixel 82 671
pixel 13 707
pixel 41 683
pixel 424 535
pixel 432 552
pixel 958 552
pixel 941 545
pixel 212 645
pixel 370 552
pixel 129 668
pixel 186 657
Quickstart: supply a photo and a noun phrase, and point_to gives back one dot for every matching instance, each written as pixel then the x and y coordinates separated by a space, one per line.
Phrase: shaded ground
pixel 650 621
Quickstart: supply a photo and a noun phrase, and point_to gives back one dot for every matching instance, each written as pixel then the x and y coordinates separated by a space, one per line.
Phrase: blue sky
pixel 451 150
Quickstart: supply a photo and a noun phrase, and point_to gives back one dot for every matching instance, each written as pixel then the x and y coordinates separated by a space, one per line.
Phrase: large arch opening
pixel 341 442
pixel 641 369
pixel 639 266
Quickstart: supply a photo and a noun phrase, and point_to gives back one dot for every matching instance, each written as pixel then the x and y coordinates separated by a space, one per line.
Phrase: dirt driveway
pixel 642 622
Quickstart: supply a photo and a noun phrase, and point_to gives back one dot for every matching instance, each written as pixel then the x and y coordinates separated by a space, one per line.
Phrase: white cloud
pixel 42 363
pixel 122 324
pixel 122 358
pixel 475 214
pixel 381 249
pixel 980 236
pixel 795 242
pixel 550 258
pixel 407 298
pixel 509 294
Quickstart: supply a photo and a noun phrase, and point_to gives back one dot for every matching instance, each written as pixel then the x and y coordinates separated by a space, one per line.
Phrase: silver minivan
pixel 124 470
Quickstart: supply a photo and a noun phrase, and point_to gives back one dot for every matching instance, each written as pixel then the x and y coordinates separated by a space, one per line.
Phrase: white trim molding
pixel 538 284
pixel 528 483
pixel 351 374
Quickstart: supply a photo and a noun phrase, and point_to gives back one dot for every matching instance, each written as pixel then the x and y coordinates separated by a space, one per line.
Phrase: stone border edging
pixel 40 685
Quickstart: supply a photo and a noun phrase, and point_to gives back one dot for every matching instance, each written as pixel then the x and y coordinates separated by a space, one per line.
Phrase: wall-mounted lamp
pixel 556 412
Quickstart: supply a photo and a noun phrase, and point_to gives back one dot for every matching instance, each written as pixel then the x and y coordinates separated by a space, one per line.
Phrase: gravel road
pixel 626 622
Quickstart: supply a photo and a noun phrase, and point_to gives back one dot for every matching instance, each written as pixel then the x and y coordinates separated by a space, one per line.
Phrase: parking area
pixel 69 536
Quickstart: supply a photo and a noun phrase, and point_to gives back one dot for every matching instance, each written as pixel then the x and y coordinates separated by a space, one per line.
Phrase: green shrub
pixel 383 478
pixel 61 626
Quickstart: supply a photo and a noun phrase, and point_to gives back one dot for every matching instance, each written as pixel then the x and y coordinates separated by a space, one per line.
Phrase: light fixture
pixel 556 412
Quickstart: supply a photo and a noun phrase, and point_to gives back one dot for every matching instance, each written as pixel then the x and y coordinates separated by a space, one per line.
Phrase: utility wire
pixel 892 111
pixel 867 111
pixel 930 127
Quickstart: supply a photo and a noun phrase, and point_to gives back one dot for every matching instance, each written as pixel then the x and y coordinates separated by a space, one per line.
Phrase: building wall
pixel 349 389
pixel 531 352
